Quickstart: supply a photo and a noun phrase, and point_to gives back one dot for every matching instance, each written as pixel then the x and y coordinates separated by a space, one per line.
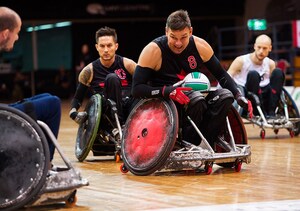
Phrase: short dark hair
pixel 178 20
pixel 106 31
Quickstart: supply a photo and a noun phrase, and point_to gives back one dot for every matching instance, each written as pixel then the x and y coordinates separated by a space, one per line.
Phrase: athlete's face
pixel 8 38
pixel 262 50
pixel 106 47
pixel 178 39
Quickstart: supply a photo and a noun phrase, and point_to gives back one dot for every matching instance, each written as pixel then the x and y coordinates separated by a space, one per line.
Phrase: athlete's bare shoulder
pixel 129 64
pixel 86 75
pixel 150 56
pixel 204 49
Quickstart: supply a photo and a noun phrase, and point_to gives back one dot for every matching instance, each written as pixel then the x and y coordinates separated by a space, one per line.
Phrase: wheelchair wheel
pixel 87 131
pixel 238 132
pixel 149 135
pixel 292 110
pixel 24 158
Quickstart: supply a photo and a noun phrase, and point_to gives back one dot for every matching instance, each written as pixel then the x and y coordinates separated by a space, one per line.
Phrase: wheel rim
pixel 149 136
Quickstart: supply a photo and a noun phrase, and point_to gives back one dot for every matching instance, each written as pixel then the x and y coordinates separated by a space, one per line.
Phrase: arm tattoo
pixel 85 76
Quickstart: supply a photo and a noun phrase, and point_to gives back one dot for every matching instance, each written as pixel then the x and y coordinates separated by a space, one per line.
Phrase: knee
pixel 197 102
pixel 253 76
pixel 220 96
pixel 112 77
pixel 55 102
pixel 278 74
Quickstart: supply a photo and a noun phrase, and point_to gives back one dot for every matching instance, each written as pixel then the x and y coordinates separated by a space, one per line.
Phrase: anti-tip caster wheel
pixel 123 169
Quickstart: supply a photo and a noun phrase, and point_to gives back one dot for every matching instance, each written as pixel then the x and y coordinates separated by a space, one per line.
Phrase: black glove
pixel 78 117
pixel 244 103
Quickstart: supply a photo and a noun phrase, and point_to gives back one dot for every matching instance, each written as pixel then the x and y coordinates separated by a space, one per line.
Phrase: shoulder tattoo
pixel 85 76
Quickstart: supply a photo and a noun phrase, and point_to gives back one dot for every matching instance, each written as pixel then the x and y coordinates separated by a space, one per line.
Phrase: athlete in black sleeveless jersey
pixel 110 75
pixel 168 59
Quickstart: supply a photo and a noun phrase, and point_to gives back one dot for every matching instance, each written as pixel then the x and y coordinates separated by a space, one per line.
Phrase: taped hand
pixel 78 117
pixel 177 94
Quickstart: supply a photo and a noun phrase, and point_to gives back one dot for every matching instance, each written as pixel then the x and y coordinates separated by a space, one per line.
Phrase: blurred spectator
pixel 83 59
pixel 283 65
pixel 21 88
pixel 62 83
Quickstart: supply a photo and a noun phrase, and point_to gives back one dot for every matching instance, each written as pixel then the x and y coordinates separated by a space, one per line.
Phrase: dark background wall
pixel 137 22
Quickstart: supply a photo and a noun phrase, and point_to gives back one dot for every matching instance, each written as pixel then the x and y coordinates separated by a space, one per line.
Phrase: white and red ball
pixel 197 81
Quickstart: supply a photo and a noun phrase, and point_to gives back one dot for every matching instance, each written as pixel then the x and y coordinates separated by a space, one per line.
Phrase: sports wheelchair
pixel 151 142
pixel 99 132
pixel 286 115
pixel 25 179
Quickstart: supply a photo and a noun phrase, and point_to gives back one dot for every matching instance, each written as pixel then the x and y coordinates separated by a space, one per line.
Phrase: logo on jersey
pixel 121 73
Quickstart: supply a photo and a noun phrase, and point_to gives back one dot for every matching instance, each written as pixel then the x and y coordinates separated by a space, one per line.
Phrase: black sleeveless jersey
pixel 100 72
pixel 175 67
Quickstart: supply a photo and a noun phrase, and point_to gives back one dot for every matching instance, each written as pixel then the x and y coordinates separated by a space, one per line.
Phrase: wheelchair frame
pixel 188 156
pixel 51 186
pixel 287 116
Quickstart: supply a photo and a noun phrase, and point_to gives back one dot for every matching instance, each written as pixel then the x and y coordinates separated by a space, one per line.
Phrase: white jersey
pixel 263 70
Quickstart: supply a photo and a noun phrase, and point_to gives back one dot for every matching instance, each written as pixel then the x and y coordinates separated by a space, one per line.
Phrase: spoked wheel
pixel 24 158
pixel 293 111
pixel 149 136
pixel 238 132
pixel 87 131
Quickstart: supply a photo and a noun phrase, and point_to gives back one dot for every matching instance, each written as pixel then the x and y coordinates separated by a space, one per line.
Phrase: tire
pixel 149 135
pixel 87 131
pixel 24 158
pixel 292 110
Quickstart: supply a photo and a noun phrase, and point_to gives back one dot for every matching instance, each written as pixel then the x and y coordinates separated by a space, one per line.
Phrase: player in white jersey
pixel 256 73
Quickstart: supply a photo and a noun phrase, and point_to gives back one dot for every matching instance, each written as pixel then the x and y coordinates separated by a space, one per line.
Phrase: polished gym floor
pixel 270 182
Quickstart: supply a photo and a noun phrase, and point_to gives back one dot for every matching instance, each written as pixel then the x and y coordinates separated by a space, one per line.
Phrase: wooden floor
pixel 272 177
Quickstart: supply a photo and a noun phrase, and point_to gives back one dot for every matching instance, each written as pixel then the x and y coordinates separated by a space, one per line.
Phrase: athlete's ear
pixel 4 34
pixel 117 46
